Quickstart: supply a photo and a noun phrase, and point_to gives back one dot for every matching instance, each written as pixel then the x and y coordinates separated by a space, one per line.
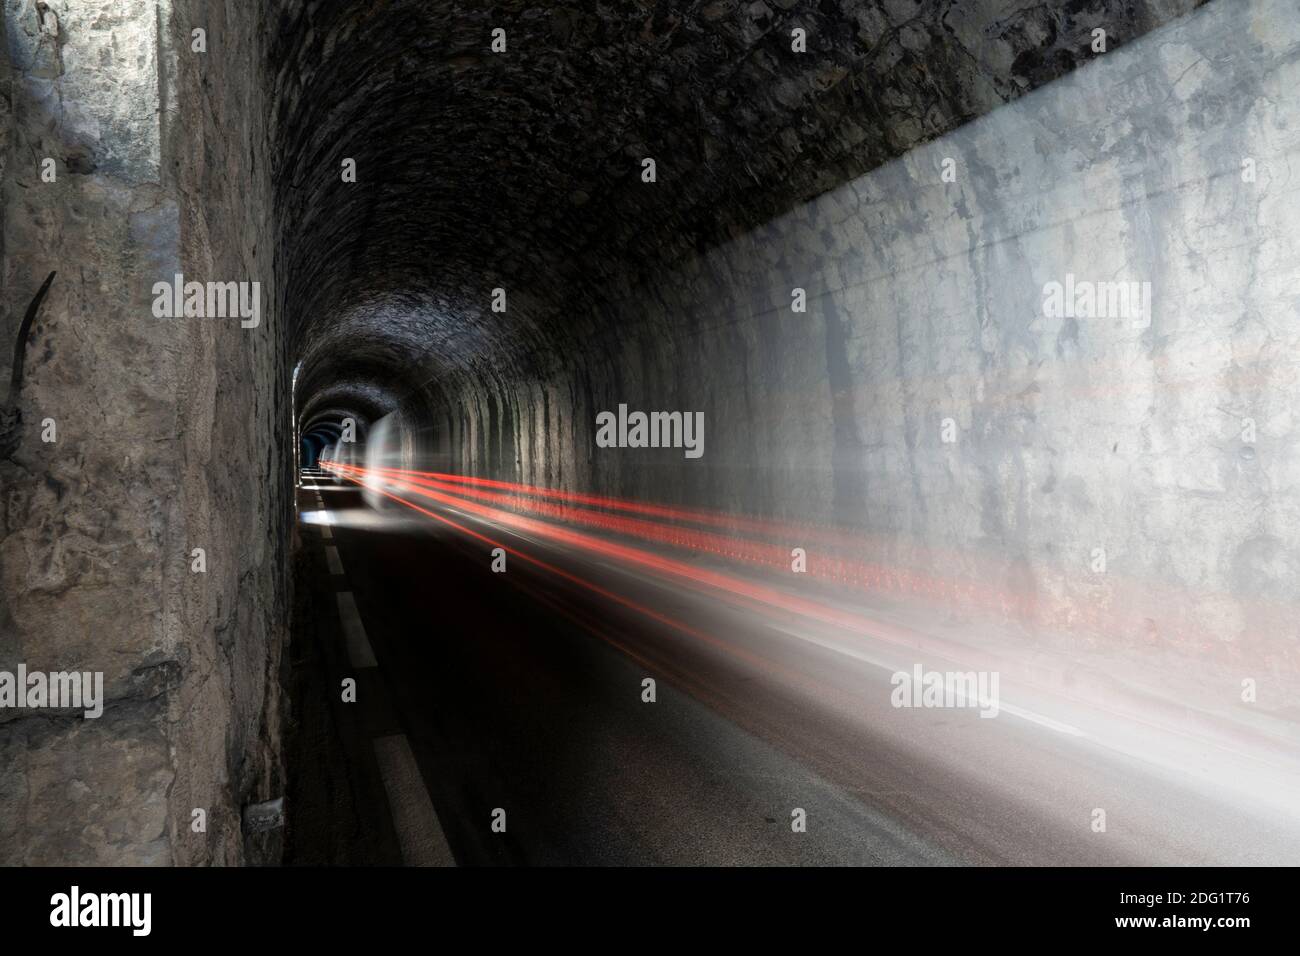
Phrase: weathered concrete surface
pixel 170 436
pixel 926 303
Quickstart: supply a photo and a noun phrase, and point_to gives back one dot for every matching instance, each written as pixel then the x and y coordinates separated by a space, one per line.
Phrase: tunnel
pixel 727 432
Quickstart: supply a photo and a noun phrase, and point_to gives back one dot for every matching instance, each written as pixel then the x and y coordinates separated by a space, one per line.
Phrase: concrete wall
pixel 926 303
pixel 170 435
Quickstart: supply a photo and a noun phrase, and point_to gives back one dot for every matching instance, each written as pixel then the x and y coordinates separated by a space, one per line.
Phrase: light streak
pixel 1112 613
pixel 700 579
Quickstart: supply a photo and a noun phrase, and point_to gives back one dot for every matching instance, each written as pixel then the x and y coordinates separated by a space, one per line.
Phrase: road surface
pixel 516 702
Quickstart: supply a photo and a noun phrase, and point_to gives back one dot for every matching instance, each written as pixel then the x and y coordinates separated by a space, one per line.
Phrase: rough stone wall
pixel 926 302
pixel 238 441
pixel 169 436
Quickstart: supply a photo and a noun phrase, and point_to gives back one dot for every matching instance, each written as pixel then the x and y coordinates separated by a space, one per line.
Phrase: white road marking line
pixel 332 558
pixel 325 532
pixel 1021 712
pixel 354 632
pixel 418 831
pixel 1047 722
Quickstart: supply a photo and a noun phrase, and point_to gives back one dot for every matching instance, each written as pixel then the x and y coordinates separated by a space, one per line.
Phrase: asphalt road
pixel 523 692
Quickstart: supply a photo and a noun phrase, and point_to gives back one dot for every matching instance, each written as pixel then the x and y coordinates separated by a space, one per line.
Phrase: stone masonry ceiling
pixel 522 169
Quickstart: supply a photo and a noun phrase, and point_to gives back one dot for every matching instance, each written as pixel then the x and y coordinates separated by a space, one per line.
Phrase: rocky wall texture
pixel 1164 444
pixel 238 439
pixel 169 436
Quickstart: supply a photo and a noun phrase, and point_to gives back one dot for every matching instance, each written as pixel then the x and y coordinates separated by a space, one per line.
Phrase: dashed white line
pixel 419 834
pixel 354 632
pixel 332 559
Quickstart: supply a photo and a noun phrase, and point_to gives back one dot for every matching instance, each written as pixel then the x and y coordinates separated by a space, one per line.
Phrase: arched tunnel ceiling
pixel 522 169
pixel 333 418
pixel 357 395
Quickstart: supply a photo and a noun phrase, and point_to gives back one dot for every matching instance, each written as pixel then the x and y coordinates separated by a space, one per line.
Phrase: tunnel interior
pixel 318 435
pixel 493 233
pixel 829 229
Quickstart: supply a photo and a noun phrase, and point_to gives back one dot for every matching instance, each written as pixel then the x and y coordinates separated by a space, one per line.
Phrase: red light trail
pixel 697 578
pixel 556 514
pixel 472 497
